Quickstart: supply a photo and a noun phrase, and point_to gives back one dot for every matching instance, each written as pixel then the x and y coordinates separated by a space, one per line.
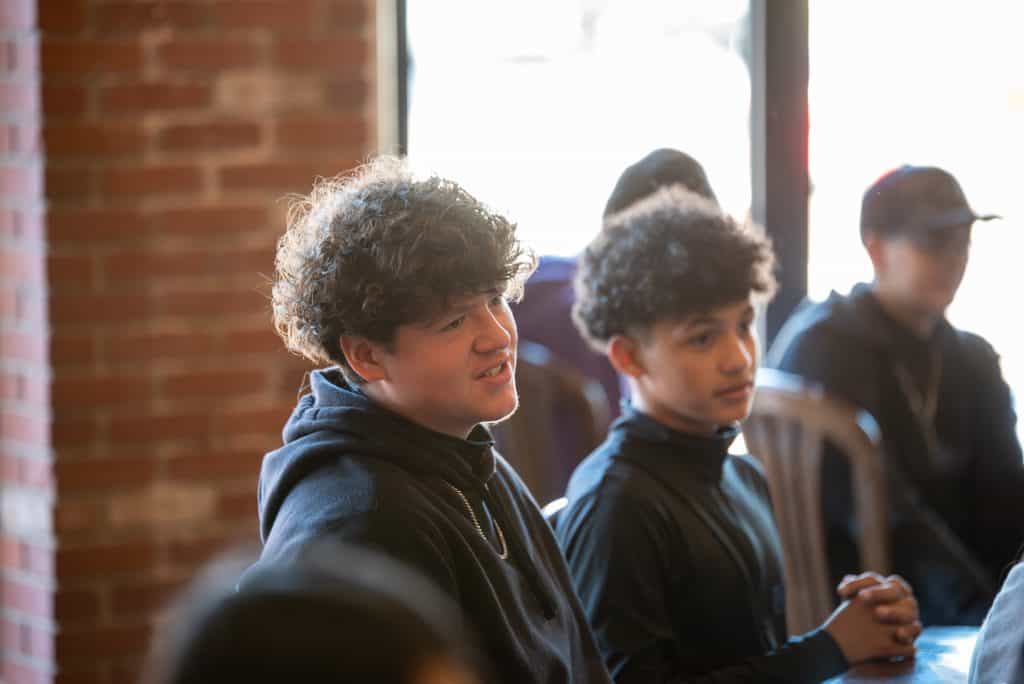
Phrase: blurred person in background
pixel 946 414
pixel 332 613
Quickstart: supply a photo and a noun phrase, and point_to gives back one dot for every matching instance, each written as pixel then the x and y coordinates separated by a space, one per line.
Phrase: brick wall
pixel 171 132
pixel 26 483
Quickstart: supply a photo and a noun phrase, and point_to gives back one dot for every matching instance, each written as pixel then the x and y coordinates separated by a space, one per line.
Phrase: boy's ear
pixel 624 354
pixel 875 247
pixel 364 357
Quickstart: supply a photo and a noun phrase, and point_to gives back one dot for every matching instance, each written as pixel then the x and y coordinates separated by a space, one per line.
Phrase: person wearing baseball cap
pixel 946 414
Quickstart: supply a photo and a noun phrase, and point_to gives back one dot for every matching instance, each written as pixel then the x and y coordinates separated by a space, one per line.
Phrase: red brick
pixel 26 347
pixel 214 303
pixel 151 180
pixel 75 271
pixel 71 432
pixel 259 341
pixel 347 14
pixel 160 428
pixel 214 466
pixel 81 57
pixel 100 308
pixel 219 220
pixel 36 642
pixel 100 390
pixel 349 130
pixel 212 135
pixel 93 140
pixel 209 54
pixel 26 598
pixel 78 644
pixel 73 516
pixel 17 15
pixel 13 672
pixel 62 16
pixel 104 474
pixel 133 265
pixel 151 347
pixel 36 559
pixel 121 348
pixel 102 560
pixel 194 553
pixel 31 429
pixel 71 605
pixel 18 56
pixel 145 97
pixel 135 17
pixel 17 180
pixel 69 183
pixel 278 176
pixel 237 506
pixel 90 225
pixel 257 421
pixel 35 472
pixel 24 224
pixel 279 15
pixel 347 92
pixel 10 635
pixel 79 673
pixel 220 383
pixel 18 97
pixel 145 598
pixel 21 265
pixel 64 100
pixel 326 53
pixel 72 349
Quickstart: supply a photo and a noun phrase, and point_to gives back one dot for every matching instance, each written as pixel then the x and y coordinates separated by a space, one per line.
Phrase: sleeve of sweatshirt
pixel 615 556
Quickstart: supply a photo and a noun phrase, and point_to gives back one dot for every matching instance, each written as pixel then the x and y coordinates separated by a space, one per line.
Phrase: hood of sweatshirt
pixel 335 418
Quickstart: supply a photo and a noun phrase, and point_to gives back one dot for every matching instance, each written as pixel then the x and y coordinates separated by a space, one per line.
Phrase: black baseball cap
pixel 660 168
pixel 913 200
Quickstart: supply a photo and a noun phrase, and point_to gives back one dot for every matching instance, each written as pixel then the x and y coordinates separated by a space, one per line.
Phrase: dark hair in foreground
pixel 669 256
pixel 379 248
pixel 340 614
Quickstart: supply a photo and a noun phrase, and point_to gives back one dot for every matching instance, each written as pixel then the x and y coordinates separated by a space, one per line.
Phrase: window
pixel 536 106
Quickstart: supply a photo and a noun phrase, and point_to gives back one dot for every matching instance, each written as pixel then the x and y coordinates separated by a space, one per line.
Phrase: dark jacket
pixel 352 471
pixel 674 552
pixel 957 512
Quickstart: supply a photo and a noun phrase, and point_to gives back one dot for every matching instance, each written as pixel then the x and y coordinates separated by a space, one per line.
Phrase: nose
pixel 496 332
pixel 738 355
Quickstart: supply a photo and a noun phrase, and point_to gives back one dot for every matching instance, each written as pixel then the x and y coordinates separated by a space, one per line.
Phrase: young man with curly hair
pixel 402 283
pixel 670 539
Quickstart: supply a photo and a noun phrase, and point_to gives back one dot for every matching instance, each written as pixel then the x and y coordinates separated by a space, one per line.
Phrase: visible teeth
pixel 494 371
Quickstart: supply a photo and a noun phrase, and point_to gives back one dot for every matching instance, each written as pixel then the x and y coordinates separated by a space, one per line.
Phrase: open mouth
pixel 495 371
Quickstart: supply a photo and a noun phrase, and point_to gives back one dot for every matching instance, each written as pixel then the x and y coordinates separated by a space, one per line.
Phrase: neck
pixel 921 323
pixel 379 395
pixel 671 419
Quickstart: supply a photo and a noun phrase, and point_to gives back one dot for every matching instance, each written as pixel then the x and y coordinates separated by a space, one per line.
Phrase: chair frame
pixel 790 421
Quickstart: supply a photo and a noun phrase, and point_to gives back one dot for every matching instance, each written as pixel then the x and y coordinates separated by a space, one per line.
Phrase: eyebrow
pixel 708 319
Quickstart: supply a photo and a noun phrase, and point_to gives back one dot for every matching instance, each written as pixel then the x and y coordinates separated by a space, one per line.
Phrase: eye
pixel 746 326
pixel 701 340
pixel 454 325
pixel 498 300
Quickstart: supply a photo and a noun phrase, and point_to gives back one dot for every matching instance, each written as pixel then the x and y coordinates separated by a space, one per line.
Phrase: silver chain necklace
pixel 503 554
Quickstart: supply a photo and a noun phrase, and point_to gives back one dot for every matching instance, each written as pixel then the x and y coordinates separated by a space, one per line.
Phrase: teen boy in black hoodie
pixel 670 540
pixel 403 283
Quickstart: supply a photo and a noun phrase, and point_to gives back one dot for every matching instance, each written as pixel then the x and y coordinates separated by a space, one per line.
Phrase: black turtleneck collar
pixel 335 406
pixel 674 449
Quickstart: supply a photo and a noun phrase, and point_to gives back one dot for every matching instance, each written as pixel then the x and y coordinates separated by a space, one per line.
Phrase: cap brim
pixel 956 217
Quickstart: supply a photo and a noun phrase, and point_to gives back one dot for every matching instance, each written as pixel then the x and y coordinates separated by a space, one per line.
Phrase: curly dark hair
pixel 667 257
pixel 378 248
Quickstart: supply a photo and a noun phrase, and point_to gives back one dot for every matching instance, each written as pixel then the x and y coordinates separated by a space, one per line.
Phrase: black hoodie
pixel 353 471
pixel 956 502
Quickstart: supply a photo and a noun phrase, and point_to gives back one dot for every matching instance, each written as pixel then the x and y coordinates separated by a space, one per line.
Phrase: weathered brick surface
pixel 140 382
